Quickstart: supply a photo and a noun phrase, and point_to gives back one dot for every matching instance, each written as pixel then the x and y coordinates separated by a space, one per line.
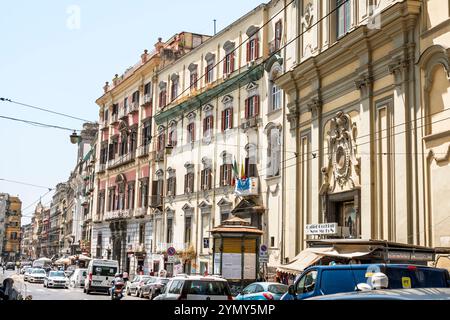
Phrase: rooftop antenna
pixel 214 26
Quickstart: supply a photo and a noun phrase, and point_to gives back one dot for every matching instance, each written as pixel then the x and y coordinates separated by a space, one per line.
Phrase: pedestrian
pixel 125 277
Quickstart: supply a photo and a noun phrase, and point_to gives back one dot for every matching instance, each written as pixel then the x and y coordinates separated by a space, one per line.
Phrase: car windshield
pixel 209 288
pixel 163 281
pixel 29 269
pixel 40 271
pixel 151 280
pixel 104 271
pixel 415 277
pixel 278 288
pixel 56 274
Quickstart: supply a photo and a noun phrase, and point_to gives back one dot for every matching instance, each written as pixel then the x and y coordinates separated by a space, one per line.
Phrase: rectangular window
pixel 226 174
pixel 169 230
pixel 189 182
pixel 227 119
pixel 251 107
pixel 342 17
pixel 208 124
pixel 193 81
pixel 148 92
pixel 209 72
pixel 135 97
pixel 187 229
pixel 224 215
pixel 191 132
pixel 133 139
pixel 125 104
pixel 146 133
pixel 143 193
pixel 228 63
pixel 162 98
pixel 161 141
pixel 130 195
pixel 206 178
pixel 174 90
pixel 142 233
pixel 276 97
pixel 173 136
pixel 252 49
pixel 278 33
pixel 171 186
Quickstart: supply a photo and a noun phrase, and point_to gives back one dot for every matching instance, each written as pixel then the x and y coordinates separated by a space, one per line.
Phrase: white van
pixel 100 274
pixel 77 278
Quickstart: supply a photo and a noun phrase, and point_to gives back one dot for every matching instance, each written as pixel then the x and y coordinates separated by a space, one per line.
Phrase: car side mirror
pixel 291 290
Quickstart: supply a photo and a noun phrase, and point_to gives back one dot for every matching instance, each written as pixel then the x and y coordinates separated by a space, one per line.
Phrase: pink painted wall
pixel 130 175
pixel 102 185
pixel 144 171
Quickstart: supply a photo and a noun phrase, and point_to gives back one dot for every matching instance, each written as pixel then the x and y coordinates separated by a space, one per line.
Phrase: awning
pixel 63 261
pixel 303 260
pixel 310 256
pixel 82 257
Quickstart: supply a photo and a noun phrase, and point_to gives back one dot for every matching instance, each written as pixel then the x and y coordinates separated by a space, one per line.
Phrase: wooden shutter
pixel 209 179
pixel 202 180
pixel 221 175
pixel 249 58
pixel 207 75
pixel 247 103
pixel 225 65
pixel 185 183
pixel 223 120
pixel 246 167
pixel 229 174
pixel 232 62
pixel 256 105
pixel 231 118
pixel 256 48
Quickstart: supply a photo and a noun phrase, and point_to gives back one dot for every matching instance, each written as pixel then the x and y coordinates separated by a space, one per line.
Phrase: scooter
pixel 117 290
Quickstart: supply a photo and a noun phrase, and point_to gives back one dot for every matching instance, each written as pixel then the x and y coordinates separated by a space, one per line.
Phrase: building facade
pixel 122 229
pixel 11 208
pixel 26 242
pixel 366 107
pixel 39 235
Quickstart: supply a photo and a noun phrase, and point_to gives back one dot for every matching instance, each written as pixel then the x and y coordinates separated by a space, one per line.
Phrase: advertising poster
pixel 231 265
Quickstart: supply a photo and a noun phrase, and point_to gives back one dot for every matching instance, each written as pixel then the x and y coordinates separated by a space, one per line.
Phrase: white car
pixel 77 278
pixel 56 279
pixel 26 275
pixel 100 274
pixel 184 287
pixel 37 275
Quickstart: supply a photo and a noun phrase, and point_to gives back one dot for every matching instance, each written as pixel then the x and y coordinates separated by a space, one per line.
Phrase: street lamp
pixel 74 137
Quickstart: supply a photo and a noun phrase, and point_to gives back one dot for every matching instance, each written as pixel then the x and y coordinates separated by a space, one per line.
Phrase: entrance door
pixel 343 208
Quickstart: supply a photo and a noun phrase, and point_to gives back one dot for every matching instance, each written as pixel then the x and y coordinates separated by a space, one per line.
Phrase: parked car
pixel 154 287
pixel 391 294
pixel 56 279
pixel 37 275
pixel 183 287
pixel 324 280
pixel 24 269
pixel 100 274
pixel 10 266
pixel 26 275
pixel 263 291
pixel 77 278
pixel 134 287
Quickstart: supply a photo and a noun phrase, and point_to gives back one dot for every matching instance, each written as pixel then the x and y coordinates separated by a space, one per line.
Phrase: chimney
pixel 144 56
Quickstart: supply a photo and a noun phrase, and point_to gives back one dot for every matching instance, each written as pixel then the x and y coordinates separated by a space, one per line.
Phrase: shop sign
pixel 321 228
pixel 398 255
pixel 422 256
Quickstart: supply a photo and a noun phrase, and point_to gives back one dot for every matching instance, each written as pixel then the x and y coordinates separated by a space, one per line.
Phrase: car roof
pixel 198 277
pixel 365 266
pixel 400 294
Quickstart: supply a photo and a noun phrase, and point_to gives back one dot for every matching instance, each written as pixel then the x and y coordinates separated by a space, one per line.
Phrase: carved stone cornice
pixel 364 84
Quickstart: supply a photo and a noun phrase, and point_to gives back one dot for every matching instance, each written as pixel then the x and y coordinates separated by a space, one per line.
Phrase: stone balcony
pixel 118 214
pixel 114 118
pixel 133 107
pixel 121 160
pixel 142 151
pixel 140 212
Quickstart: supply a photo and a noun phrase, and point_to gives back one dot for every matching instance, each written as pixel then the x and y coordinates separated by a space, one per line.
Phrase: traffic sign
pixel 263 248
pixel 171 251
pixel 264 259
pixel 171 259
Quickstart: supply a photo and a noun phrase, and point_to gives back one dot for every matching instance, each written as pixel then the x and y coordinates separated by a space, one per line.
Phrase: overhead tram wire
pixel 45 110
pixel 39 124
pixel 270 55
pixel 27 184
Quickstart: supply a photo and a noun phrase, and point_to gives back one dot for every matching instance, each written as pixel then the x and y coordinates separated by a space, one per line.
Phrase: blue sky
pixel 45 62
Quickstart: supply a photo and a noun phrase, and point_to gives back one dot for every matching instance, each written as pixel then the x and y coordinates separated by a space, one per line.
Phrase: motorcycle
pixel 117 290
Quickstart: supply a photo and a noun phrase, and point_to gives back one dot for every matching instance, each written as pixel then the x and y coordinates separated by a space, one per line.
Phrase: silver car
pixel 37 275
pixel 56 279
pixel 26 275
pixel 184 287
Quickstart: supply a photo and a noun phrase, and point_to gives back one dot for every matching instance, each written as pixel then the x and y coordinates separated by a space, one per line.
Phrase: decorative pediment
pixel 251 87
pixel 252 30
pixel 207 162
pixel 187 207
pixel 227 100
pixel 170 212
pixel 170 170
pixel 224 203
pixel 123 126
pixel 208 107
pixel 210 57
pixel 162 85
pixel 205 205
pixel 228 46
pixel 192 67
pixel 159 173
pixel 191 116
pixel 172 123
pixel 189 165
pixel 174 77
pixel 161 129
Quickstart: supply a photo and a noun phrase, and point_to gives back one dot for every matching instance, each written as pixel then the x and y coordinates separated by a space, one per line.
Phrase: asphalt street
pixel 38 292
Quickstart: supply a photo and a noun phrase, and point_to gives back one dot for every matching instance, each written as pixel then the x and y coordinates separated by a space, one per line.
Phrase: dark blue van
pixel 324 280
